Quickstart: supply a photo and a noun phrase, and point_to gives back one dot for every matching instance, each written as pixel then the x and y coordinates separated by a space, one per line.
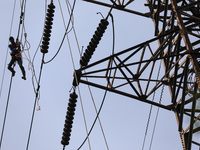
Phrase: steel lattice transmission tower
pixel 177 26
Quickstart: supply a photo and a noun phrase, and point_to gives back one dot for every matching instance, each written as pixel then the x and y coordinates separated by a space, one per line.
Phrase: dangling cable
pixel 4 121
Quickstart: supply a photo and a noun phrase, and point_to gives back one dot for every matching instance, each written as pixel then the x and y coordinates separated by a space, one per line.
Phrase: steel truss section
pixel 177 23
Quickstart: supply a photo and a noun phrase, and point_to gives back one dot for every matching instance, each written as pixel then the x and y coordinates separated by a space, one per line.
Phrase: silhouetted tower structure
pixel 177 26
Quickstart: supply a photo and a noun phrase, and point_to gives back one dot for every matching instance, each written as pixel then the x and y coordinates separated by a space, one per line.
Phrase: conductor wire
pixel 97 116
pixel 23 6
pixel 36 97
pixel 32 68
pixel 4 76
pixel 66 28
pixel 66 32
pixel 4 69
pixel 4 121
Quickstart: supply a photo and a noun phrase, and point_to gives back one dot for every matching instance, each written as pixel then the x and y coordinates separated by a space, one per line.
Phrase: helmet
pixel 11 39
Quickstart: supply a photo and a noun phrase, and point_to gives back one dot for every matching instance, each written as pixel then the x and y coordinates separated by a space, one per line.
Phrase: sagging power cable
pixel 44 50
pixel 66 32
pixel 36 97
pixel 66 135
pixel 97 116
pixel 4 69
pixel 94 120
pixel 32 62
pixel 8 97
pixel 6 110
pixel 78 91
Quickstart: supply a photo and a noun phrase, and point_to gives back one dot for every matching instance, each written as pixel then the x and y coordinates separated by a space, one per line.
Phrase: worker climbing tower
pixel 177 26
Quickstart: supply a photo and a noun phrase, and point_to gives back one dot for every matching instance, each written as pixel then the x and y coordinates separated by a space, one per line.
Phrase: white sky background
pixel 123 119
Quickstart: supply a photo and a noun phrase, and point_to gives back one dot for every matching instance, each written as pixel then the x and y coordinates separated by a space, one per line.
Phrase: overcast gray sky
pixel 123 119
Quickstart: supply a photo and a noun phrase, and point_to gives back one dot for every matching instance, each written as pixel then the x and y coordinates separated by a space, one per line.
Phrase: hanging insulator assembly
pixel 47 28
pixel 69 119
pixel 94 42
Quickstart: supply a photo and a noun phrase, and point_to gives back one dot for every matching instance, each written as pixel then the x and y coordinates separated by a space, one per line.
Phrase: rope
pixel 5 114
pixel 150 111
pixel 36 97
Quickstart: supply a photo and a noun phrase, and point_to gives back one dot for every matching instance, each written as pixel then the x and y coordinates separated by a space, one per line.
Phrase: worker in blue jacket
pixel 16 56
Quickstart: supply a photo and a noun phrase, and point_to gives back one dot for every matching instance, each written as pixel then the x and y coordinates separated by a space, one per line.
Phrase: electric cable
pixel 6 110
pixel 32 62
pixel 23 6
pixel 36 97
pixel 69 11
pixel 66 32
pixel 156 117
pixel 76 78
pixel 150 111
pixel 97 116
pixel 4 69
pixel 41 35
pixel 21 23
pixel 74 67
pixel 27 44
pixel 44 50
pixel 5 115
pixel 72 22
pixel 79 92
pixel 10 80
pixel 94 120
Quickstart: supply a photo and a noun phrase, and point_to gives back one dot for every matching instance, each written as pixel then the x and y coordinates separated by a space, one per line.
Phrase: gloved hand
pixel 12 54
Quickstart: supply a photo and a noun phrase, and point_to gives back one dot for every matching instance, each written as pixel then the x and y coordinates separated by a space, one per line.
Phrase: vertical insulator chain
pixel 94 42
pixel 69 119
pixel 48 27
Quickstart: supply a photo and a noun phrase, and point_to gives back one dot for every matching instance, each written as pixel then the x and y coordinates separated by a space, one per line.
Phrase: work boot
pixel 23 77
pixel 13 73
